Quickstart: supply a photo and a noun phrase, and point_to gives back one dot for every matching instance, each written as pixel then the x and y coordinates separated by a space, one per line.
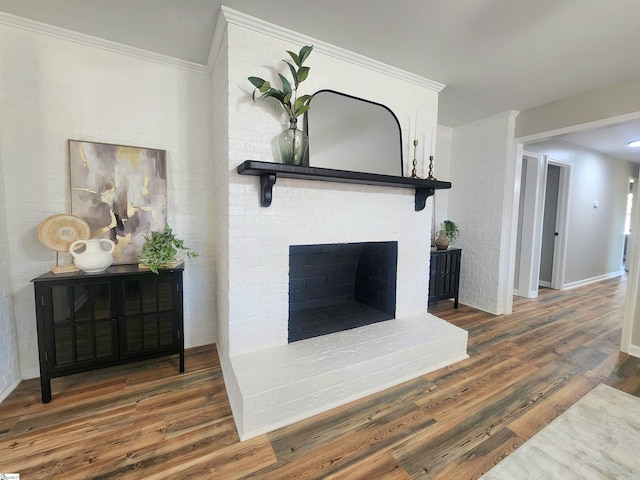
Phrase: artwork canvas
pixel 121 192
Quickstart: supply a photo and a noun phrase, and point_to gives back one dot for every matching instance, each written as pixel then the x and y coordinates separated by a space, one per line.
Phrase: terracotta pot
pixel 442 242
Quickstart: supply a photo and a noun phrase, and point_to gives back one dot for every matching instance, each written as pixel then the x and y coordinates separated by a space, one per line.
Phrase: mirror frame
pixel 393 116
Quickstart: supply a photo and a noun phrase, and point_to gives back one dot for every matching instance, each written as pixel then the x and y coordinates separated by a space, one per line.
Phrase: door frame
pixel 562 224
pixel 530 235
pixel 631 320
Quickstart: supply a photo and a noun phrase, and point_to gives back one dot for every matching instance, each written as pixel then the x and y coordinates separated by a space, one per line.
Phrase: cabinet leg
pixel 455 302
pixel 182 361
pixel 45 388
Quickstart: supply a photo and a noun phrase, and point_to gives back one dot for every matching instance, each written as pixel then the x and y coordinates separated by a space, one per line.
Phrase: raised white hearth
pixel 284 384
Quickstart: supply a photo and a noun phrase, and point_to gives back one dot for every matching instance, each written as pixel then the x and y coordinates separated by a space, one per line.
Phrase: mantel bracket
pixel 421 197
pixel 267 181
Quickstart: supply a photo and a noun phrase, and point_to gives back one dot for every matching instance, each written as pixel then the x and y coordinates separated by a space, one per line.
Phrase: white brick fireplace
pixel 272 383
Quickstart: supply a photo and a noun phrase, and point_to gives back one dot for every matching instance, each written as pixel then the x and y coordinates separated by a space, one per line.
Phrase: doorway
pixel 630 339
pixel 541 242
pixel 553 241
pixel 549 226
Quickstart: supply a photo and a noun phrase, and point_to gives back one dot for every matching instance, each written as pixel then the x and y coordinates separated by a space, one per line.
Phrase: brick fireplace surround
pixel 271 382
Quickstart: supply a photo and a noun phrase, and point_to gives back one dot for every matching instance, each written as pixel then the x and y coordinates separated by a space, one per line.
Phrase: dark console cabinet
pixel 89 321
pixel 444 275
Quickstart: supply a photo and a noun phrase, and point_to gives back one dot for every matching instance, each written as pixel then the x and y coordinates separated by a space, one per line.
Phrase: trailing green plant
pixel 451 230
pixel 161 248
pixel 293 105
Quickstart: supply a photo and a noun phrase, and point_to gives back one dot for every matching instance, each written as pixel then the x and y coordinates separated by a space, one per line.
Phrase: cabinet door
pixel 451 273
pixel 433 275
pixel 83 324
pixel 444 274
pixel 147 322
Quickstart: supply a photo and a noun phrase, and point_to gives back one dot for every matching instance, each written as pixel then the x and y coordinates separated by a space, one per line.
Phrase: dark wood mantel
pixel 269 172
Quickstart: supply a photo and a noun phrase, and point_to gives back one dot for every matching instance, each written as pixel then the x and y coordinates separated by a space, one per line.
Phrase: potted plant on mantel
pixel 293 142
pixel 448 235
pixel 161 248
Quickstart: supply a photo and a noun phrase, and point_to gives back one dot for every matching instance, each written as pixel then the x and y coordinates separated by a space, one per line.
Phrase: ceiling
pixel 611 140
pixel 493 55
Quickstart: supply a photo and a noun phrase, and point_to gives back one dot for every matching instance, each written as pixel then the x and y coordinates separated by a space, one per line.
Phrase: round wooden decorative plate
pixel 58 232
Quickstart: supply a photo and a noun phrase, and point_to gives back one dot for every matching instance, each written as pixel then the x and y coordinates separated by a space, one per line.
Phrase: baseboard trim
pixel 587 281
pixel 531 294
pixel 634 351
pixel 7 391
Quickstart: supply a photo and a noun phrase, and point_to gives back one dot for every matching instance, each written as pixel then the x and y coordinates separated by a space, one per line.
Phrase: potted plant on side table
pixel 448 235
pixel 161 250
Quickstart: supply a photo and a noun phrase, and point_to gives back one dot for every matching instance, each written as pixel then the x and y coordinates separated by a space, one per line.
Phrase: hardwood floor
pixel 147 421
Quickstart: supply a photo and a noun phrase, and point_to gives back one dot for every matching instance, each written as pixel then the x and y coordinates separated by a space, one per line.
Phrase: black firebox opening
pixel 335 287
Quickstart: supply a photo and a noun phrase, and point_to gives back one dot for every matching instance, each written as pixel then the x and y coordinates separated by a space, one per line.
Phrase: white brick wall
pixel 54 90
pixel 306 212
pixel 221 107
pixel 9 371
pixel 252 281
pixel 481 202
pixel 441 170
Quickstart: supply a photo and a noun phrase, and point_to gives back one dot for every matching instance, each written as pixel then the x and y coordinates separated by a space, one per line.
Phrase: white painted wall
pixel 53 90
pixel 594 235
pixel 483 173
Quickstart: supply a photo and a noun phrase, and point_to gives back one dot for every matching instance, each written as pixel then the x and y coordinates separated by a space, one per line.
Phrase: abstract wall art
pixel 121 192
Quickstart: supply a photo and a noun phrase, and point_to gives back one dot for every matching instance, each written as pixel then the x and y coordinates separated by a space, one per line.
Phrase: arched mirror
pixel 349 133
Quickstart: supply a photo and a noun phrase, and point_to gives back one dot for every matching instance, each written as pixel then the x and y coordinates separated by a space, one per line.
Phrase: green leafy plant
pixel 161 248
pixel 293 105
pixel 451 230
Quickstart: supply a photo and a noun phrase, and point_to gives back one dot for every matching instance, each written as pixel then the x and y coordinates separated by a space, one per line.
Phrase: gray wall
pixel 616 100
pixel 595 235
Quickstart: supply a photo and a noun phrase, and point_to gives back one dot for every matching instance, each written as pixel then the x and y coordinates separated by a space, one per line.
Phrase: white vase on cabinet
pixel 95 257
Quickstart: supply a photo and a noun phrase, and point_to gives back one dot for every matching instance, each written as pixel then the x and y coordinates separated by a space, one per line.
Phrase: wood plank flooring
pixel 146 421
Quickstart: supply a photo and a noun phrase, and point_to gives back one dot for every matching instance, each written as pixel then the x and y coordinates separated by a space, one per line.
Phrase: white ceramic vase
pixel 95 258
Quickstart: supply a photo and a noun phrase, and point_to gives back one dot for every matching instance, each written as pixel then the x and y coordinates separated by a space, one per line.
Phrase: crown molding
pixel 229 16
pixel 108 45
pixel 513 114
pixel 216 41
pixel 234 17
